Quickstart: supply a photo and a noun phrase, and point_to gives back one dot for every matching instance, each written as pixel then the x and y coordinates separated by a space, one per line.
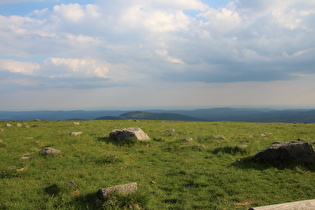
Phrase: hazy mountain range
pixel 212 114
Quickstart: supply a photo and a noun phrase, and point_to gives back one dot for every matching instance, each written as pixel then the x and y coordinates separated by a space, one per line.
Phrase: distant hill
pixel 137 115
pixel 213 114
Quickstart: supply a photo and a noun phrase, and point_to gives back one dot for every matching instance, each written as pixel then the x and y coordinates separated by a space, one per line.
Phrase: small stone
pixel 198 145
pixel 263 135
pixel 49 150
pixel 220 137
pixel 76 123
pixel 170 131
pixel 72 184
pixel 242 146
pixel 24 158
pixel 76 133
pixel 188 140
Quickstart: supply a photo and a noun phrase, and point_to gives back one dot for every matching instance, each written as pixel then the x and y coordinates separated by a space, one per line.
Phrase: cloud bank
pixel 132 43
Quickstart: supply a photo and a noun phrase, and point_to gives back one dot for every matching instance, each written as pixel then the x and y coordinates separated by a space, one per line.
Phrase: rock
pixel 121 189
pixel 76 123
pixel 241 146
pixel 49 150
pixel 8 125
pixel 72 184
pixel 263 135
pixel 76 133
pixel 24 158
pixel 170 131
pixel 198 145
pixel 220 137
pixel 287 152
pixel 19 125
pixel 188 140
pixel 127 133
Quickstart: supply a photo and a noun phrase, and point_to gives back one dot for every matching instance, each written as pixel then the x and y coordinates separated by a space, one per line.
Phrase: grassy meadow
pixel 169 176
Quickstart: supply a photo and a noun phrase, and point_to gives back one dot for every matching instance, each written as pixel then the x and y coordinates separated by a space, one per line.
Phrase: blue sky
pixel 156 53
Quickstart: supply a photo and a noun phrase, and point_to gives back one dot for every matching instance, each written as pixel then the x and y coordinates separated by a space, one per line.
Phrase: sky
pixel 85 54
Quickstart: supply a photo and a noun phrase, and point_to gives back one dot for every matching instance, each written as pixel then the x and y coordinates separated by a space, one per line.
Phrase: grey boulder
pixel 128 133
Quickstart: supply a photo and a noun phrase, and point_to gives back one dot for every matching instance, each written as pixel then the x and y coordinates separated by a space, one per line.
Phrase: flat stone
pixel 197 145
pixel 188 140
pixel 121 189
pixel 24 158
pixel 76 133
pixel 305 205
pixel 49 150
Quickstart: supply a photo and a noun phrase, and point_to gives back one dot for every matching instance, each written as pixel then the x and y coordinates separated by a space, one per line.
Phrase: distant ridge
pixel 212 114
pixel 140 115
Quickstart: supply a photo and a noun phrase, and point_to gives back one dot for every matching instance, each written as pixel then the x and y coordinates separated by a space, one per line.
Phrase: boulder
pixel 287 152
pixel 49 150
pixel 128 133
pixel 121 189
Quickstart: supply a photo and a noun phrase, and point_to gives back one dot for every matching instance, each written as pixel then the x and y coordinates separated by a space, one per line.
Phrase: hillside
pixel 139 115
pixel 170 173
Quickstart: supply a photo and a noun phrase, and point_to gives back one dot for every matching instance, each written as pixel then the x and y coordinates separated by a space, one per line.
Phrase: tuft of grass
pixel 136 201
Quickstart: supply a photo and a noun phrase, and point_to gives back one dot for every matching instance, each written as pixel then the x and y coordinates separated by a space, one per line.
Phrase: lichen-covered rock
pixel 287 152
pixel 128 133
pixel 121 189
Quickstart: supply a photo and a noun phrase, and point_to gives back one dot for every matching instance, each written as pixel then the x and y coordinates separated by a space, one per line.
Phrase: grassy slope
pixel 168 176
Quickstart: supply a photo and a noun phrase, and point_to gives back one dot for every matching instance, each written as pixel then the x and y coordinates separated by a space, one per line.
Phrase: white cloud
pixel 27 68
pixel 67 67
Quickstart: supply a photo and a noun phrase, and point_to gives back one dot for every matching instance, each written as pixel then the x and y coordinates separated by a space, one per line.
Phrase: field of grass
pixel 169 176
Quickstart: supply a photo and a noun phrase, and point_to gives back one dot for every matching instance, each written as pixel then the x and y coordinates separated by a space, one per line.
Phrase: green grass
pixel 169 176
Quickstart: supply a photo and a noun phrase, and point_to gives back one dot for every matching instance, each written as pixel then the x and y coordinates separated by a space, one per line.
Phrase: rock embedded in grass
pixel 287 152
pixel 129 133
pixel 49 150
pixel 196 145
pixel 170 131
pixel 188 140
pixel 76 133
pixel 120 189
